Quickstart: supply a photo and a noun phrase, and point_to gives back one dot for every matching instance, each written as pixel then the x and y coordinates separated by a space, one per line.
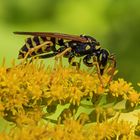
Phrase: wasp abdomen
pixel 33 43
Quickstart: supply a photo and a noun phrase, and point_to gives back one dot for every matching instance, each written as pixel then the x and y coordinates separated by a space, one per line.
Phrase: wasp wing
pixel 54 35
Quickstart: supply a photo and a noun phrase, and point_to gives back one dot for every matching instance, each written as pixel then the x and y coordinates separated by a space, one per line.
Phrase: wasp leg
pixel 60 54
pixel 98 72
pixel 86 59
pixel 43 56
pixel 47 43
pixel 72 62
pixel 94 63
pixel 112 58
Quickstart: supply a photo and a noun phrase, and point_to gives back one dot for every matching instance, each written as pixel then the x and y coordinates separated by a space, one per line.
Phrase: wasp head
pixel 103 59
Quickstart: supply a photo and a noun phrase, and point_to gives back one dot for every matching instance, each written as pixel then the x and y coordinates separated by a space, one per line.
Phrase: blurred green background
pixel 115 23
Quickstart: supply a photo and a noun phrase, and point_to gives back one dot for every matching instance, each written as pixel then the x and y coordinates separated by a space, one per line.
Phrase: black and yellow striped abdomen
pixel 33 42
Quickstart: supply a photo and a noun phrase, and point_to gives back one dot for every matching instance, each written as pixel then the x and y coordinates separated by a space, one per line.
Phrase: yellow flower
pixel 123 128
pixel 75 96
pixel 120 88
pixel 31 93
pixel 72 130
pixel 134 97
pixel 1 107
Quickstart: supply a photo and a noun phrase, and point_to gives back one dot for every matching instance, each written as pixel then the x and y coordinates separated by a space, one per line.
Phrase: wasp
pixel 48 44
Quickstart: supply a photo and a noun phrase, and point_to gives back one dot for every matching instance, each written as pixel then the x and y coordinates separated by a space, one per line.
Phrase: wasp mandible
pixel 44 45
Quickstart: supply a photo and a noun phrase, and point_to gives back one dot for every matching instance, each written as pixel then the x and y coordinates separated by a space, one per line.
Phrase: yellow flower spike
pixel 101 131
pixel 73 127
pixel 57 92
pixel 35 91
pixel 105 79
pixel 75 96
pixel 123 129
pixel 1 107
pixel 120 88
pixel 134 97
pixel 83 118
pixel 110 112
pixel 72 130
pixel 100 90
pixel 137 127
pixel 30 93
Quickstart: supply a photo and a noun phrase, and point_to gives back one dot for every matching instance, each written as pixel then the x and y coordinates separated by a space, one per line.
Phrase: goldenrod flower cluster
pixel 73 130
pixel 32 92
